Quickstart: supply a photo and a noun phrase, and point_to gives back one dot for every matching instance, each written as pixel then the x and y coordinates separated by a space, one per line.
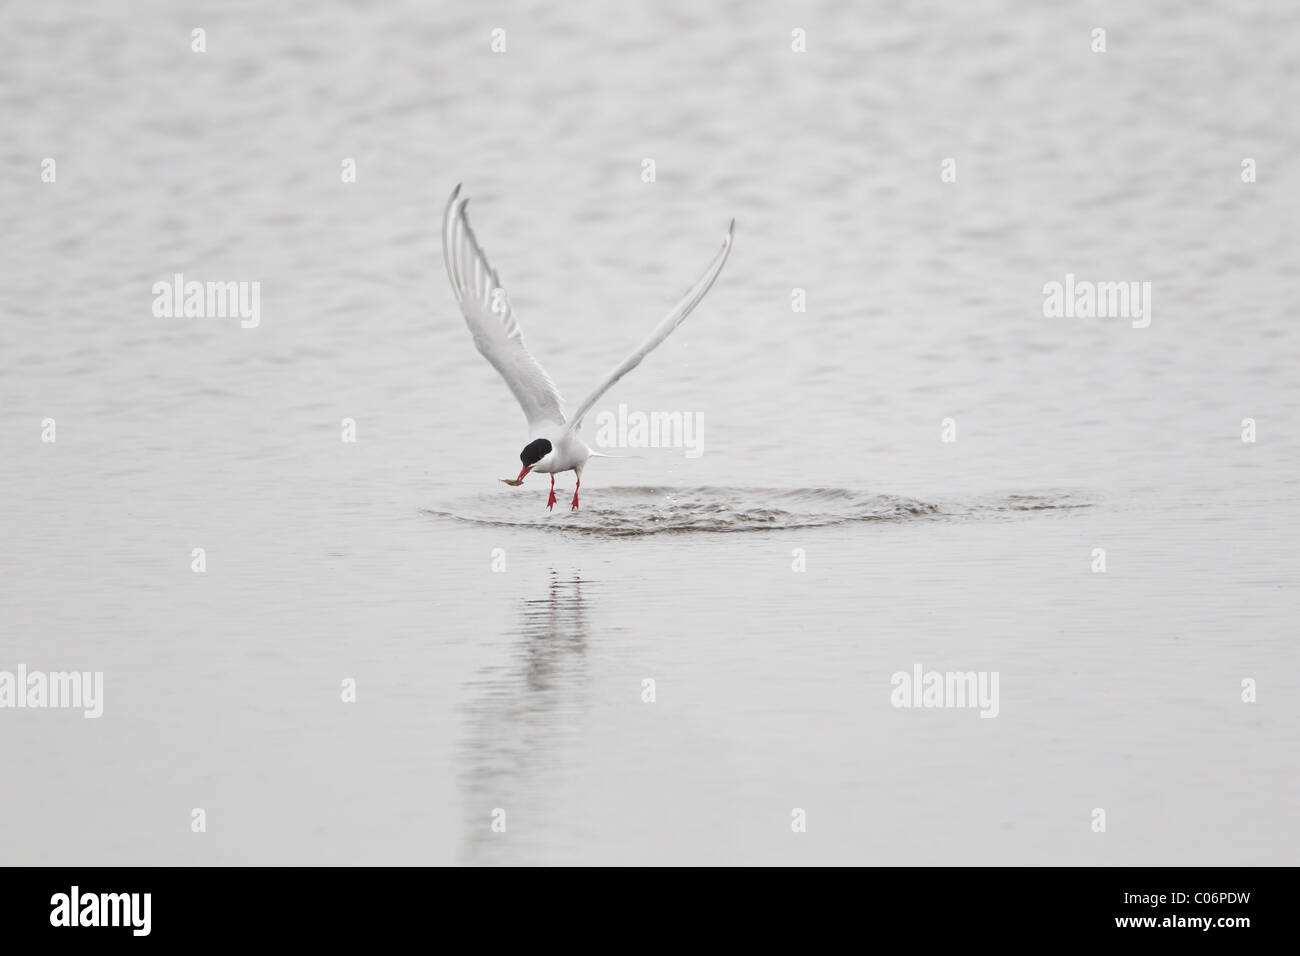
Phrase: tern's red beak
pixel 527 469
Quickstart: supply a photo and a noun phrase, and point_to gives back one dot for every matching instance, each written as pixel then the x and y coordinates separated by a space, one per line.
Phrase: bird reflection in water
pixel 523 710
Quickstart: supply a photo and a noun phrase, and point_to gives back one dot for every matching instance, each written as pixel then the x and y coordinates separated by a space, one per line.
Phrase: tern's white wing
pixel 662 330
pixel 491 318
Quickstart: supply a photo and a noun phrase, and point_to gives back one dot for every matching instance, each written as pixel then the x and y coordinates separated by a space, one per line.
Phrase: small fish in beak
pixel 520 480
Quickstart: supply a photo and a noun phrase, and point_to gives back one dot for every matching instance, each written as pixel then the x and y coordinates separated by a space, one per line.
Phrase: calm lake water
pixel 522 688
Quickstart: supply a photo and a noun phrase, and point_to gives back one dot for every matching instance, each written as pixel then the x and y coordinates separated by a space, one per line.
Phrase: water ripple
pixel 635 511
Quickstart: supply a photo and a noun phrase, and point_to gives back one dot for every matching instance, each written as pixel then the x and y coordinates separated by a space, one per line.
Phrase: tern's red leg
pixel 551 502
pixel 575 492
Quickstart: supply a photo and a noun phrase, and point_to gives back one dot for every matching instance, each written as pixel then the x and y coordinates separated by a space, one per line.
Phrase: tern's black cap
pixel 534 452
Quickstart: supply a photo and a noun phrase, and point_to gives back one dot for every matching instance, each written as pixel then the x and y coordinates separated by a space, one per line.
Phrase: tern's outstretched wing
pixel 491 318
pixel 661 332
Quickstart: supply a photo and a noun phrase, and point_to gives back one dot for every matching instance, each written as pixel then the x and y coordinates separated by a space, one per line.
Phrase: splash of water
pixel 632 511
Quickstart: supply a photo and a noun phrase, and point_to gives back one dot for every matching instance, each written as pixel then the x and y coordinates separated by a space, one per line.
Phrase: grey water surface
pixel 826 539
